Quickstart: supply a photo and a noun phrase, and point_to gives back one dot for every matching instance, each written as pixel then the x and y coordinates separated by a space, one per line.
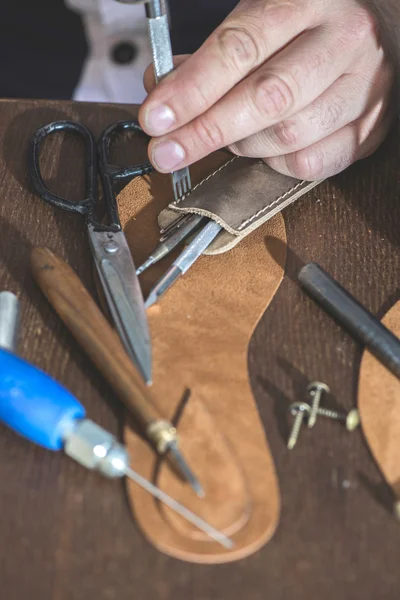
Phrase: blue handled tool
pixel 34 405
pixel 41 410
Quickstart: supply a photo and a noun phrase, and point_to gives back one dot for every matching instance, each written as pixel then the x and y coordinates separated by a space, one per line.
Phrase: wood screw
pixel 351 419
pixel 299 410
pixel 316 389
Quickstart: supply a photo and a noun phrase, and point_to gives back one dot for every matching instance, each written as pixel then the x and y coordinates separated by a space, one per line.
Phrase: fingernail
pixel 167 156
pixel 160 119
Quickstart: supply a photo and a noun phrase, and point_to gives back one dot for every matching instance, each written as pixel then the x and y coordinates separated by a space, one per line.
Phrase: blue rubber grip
pixel 34 405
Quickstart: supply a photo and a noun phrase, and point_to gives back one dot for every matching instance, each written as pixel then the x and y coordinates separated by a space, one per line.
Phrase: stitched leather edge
pixel 176 202
pixel 262 210
pixel 240 230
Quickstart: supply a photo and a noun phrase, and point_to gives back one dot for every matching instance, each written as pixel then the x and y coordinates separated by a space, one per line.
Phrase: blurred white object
pixel 119 51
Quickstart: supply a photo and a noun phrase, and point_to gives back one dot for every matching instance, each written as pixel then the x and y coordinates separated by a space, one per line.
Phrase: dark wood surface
pixel 67 534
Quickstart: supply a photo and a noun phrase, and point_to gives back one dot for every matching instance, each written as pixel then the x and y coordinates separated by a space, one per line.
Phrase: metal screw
pixel 299 410
pixel 316 389
pixel 111 247
pixel 351 419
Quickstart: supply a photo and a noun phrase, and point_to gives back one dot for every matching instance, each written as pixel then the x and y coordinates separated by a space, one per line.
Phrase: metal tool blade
pixel 163 62
pixel 124 297
pixel 172 240
pixel 181 183
pixel 186 470
pixel 184 261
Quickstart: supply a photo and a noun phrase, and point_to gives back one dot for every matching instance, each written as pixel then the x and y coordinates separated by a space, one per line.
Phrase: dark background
pixel 43 47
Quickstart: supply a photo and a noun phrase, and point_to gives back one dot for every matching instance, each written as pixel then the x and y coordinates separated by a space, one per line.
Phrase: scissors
pixel 110 250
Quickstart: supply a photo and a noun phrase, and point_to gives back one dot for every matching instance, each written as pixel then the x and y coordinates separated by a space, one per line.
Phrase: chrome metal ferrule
pixel 163 434
pixel 9 321
pixel 96 449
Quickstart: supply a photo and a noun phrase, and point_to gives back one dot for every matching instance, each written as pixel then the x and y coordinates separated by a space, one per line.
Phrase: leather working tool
pixel 41 410
pixel 81 315
pixel 163 62
pixel 185 260
pixel 113 258
pixel 108 244
pixel 345 309
pixel 218 211
pixel 178 231
pixel 9 321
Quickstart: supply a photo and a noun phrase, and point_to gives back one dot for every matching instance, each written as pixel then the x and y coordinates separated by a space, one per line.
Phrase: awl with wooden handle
pixel 81 315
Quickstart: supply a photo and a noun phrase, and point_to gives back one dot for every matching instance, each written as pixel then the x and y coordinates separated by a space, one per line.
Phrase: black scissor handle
pixel 85 206
pixel 111 173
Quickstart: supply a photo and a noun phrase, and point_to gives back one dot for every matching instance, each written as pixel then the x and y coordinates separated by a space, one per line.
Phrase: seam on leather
pixel 204 180
pixel 262 210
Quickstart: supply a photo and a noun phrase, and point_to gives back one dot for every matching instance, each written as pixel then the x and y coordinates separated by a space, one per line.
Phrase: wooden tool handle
pixel 81 315
pixel 349 313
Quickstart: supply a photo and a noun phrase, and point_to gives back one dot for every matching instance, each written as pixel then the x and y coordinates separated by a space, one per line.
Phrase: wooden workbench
pixel 67 534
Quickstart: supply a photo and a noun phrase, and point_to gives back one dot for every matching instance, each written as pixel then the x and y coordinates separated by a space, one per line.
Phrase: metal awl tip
pixel 185 470
pixel 148 263
pixel 187 514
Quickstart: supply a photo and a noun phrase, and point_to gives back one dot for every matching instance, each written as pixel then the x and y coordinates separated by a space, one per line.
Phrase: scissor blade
pixel 124 297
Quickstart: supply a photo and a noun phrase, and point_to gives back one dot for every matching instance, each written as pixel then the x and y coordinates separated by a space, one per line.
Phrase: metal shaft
pixel 184 261
pixel 170 241
pixel 9 321
pixel 316 389
pixel 351 419
pixel 213 533
pixel 294 434
pixel 185 470
pixel 97 449
pixel 331 414
pixel 314 409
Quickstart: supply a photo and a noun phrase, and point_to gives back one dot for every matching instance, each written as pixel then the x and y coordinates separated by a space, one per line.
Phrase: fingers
pixel 253 32
pixel 149 80
pixel 344 102
pixel 273 93
pixel 337 151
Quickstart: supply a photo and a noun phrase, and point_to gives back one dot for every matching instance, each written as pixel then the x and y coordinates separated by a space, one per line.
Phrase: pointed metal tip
pixel 145 265
pixel 199 490
pixel 148 379
pixel 151 299
pixel 186 471
pixel 144 366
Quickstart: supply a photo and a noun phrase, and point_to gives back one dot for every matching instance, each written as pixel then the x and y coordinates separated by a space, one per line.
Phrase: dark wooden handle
pixel 349 313
pixel 81 315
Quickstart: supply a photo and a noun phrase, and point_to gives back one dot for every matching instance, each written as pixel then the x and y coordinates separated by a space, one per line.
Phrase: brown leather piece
pixel 200 333
pixel 240 195
pixel 379 402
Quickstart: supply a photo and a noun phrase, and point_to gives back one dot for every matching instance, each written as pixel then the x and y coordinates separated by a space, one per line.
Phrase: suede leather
pixel 378 403
pixel 240 195
pixel 200 332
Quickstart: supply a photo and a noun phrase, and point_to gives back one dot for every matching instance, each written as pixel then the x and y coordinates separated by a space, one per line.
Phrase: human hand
pixel 303 84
